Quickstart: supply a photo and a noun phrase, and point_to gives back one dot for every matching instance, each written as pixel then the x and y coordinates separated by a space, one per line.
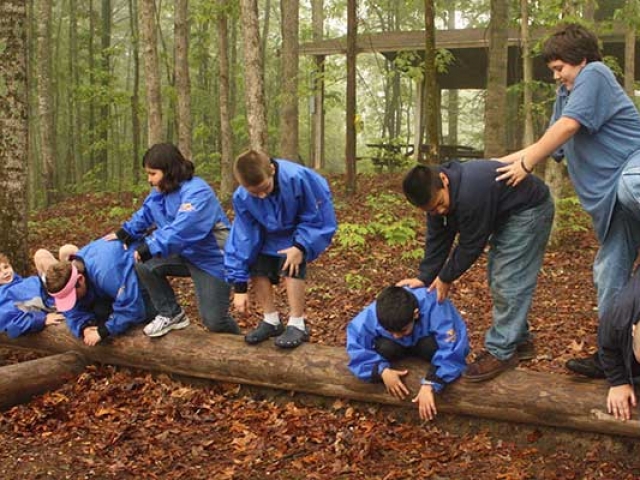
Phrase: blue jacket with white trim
pixel 187 222
pixel 299 211
pixel 440 320
pixel 111 277
pixel 23 306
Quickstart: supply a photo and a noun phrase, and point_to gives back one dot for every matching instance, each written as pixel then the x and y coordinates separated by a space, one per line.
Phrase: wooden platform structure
pixel 515 396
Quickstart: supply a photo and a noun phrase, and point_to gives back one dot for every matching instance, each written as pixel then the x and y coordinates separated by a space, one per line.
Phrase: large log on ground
pixel 22 381
pixel 517 396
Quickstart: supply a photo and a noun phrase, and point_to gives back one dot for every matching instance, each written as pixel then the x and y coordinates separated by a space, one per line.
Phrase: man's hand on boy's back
pixel 241 302
pixel 294 259
pixel 620 400
pixel 426 401
pixel 442 288
pixel 410 282
pixel 393 381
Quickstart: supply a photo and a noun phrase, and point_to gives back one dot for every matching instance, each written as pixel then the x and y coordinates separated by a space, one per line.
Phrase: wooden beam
pixel 515 396
pixel 22 381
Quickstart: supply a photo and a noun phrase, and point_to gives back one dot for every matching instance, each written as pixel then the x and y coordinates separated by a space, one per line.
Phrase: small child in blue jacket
pixel 284 219
pixel 405 322
pixel 24 304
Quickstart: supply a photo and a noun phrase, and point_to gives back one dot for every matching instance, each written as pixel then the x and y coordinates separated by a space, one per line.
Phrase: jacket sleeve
pixel 16 322
pixel 243 245
pixel 77 319
pixel 316 217
pixel 128 306
pixel 193 221
pixel 438 243
pixel 364 362
pixel 450 333
pixel 136 227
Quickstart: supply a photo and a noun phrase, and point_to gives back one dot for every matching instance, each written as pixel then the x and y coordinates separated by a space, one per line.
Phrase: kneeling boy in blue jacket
pixel 405 322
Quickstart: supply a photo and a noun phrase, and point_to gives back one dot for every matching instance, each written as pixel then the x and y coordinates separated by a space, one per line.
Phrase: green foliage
pixel 356 281
pixel 118 212
pixel 389 153
pixel 352 235
pixel 570 215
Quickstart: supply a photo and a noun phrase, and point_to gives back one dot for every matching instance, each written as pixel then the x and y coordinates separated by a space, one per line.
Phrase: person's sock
pixel 297 322
pixel 272 318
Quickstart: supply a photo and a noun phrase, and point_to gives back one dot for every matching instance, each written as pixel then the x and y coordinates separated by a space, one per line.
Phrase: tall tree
pixel 317 132
pixel 14 132
pixel 289 95
pixel 630 14
pixel 102 156
pixel 254 75
pixel 350 147
pixel 453 103
pixel 135 94
pixel 45 101
pixel 495 128
pixel 226 132
pixel 149 45
pixel 431 93
pixel 183 82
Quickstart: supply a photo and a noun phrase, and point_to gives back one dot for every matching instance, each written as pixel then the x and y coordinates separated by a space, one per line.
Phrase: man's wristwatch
pixel 424 381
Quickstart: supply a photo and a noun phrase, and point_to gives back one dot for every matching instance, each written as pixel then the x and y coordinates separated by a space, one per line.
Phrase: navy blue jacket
pixel 479 206
pixel 299 211
pixel 615 341
pixel 23 306
pixel 440 320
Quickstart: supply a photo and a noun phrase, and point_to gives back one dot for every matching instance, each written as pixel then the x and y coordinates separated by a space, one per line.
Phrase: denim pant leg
pixel 213 301
pixel 153 274
pixel 614 262
pixel 515 259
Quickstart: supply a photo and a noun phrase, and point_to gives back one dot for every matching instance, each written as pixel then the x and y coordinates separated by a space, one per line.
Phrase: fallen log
pixel 516 396
pixel 22 381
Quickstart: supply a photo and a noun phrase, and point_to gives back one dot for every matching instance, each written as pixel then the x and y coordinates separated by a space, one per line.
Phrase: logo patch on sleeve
pixel 451 336
pixel 186 207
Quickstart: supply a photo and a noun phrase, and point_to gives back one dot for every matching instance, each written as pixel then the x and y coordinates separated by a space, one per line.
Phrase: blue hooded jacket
pixel 440 320
pixel 110 275
pixel 299 211
pixel 187 222
pixel 23 306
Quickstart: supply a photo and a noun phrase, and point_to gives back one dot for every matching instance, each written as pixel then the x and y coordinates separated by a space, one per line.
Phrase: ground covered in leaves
pixel 120 423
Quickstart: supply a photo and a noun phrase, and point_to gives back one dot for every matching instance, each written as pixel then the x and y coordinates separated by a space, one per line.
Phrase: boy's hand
pixel 53 318
pixel 426 401
pixel 293 261
pixel 441 287
pixel 241 302
pixel 91 336
pixel 393 382
pixel 110 237
pixel 619 400
pixel 410 282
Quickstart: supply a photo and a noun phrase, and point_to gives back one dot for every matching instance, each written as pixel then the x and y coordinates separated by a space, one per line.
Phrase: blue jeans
pixel 613 265
pixel 212 293
pixel 514 261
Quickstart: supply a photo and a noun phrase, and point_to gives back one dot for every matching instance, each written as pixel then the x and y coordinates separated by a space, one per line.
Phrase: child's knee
pixel 66 251
pixel 43 259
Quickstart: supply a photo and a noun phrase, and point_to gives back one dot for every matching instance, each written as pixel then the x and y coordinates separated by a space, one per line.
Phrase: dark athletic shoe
pixel 589 366
pixel 292 337
pixel 486 367
pixel 263 332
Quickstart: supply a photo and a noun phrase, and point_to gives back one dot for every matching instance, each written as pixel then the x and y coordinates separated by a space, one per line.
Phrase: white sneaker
pixel 162 325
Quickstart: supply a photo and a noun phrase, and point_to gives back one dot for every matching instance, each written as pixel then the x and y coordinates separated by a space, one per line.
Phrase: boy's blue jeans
pixel 613 265
pixel 514 261
pixel 212 293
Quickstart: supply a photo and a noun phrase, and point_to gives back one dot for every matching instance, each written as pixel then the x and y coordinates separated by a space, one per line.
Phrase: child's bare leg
pixel 66 251
pixel 296 296
pixel 270 326
pixel 264 294
pixel 296 332
pixel 43 259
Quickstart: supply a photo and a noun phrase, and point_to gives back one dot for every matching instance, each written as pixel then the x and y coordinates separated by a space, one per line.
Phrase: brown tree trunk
pixel 495 108
pixel 227 182
pixel 149 41
pixel 22 381
pixel 516 396
pixel 630 48
pixel 181 71
pixel 317 116
pixel 289 94
pixel 102 157
pixel 14 142
pixel 45 100
pixel 135 94
pixel 431 94
pixel 350 147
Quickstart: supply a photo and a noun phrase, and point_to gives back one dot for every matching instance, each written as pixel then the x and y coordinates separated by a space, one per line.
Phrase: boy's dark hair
pixel 168 158
pixel 572 43
pixel 4 259
pixel 251 168
pixel 395 308
pixel 420 184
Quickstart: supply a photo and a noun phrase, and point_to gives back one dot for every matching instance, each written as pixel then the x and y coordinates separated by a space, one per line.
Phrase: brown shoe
pixel 526 351
pixel 486 366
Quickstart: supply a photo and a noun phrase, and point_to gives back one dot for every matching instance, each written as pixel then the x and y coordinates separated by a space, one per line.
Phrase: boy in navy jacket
pixel 464 201
pixel 284 218
pixel 401 323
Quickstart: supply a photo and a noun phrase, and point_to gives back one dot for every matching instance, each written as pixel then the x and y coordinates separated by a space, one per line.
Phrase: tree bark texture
pixel 254 75
pixel 316 144
pixel 431 94
pixel 289 95
pixel 149 44
pixel 495 108
pixel 630 48
pixel 135 94
pixel 183 82
pixel 227 182
pixel 23 381
pixel 13 133
pixel 515 396
pixel 352 54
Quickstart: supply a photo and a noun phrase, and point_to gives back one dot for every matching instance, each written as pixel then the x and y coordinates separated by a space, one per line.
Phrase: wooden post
pixel 22 381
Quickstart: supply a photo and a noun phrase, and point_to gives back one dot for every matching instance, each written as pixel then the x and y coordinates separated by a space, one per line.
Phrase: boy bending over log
pixel 403 322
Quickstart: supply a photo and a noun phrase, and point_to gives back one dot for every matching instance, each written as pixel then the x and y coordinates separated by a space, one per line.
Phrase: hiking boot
pixel 262 332
pixel 162 325
pixel 486 366
pixel 589 367
pixel 526 351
